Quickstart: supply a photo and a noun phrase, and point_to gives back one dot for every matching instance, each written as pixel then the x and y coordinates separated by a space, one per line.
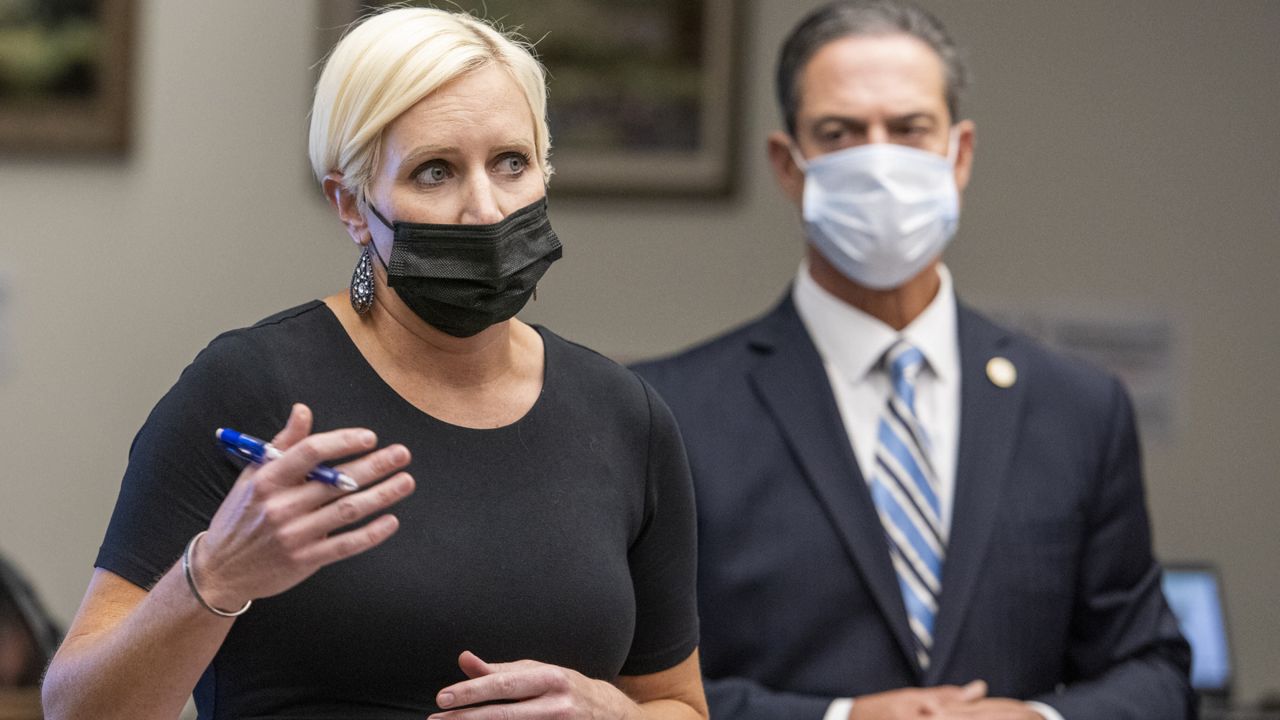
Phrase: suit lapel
pixel 988 432
pixel 792 383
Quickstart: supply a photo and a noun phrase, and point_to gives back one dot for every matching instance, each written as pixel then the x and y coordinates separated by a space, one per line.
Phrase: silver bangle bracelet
pixel 191 581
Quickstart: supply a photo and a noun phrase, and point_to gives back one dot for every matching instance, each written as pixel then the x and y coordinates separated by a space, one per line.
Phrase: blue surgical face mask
pixel 880 213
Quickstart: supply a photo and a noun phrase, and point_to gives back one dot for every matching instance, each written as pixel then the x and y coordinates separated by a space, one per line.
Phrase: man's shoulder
pixel 1044 368
pixel 726 349
pixel 703 353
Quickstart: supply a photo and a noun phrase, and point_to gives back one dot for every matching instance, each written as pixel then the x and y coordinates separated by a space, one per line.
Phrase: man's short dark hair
pixel 849 18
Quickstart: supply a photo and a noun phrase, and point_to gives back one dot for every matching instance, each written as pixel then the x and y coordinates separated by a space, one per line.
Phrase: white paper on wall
pixel 1144 349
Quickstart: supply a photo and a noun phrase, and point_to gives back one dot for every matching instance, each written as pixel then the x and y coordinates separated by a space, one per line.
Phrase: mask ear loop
pixel 953 145
pixel 385 224
pixel 796 157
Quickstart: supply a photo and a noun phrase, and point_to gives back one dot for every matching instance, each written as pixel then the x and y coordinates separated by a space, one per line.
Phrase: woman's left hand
pixel 538 690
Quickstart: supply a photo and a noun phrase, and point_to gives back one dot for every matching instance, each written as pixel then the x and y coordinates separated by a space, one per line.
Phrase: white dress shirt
pixel 851 344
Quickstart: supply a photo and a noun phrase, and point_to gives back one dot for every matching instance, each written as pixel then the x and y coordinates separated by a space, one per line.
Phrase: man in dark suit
pixel 904 509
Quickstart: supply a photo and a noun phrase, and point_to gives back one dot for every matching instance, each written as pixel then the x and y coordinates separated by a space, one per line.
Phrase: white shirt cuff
pixel 840 707
pixel 1048 712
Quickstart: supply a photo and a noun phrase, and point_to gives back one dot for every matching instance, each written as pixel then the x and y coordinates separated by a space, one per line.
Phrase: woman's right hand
pixel 275 528
pixel 136 653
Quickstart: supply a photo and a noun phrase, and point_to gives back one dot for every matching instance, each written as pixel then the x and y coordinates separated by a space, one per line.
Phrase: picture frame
pixel 65 75
pixel 641 94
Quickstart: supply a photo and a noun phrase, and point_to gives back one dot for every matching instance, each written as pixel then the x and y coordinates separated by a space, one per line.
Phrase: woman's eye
pixel 513 164
pixel 432 173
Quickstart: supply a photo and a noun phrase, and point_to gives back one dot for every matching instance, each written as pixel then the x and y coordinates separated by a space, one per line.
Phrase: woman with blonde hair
pixel 540 559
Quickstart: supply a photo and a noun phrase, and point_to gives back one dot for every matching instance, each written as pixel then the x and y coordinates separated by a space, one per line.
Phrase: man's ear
pixel 785 170
pixel 966 137
pixel 345 201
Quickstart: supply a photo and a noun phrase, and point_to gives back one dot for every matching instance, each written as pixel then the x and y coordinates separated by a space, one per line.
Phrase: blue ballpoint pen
pixel 261 452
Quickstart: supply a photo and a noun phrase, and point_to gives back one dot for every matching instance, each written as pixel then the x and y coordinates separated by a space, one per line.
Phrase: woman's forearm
pixel 132 654
pixel 671 710
pixel 136 655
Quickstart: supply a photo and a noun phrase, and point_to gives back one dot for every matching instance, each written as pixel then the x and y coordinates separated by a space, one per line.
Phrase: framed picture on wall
pixel 64 76
pixel 641 92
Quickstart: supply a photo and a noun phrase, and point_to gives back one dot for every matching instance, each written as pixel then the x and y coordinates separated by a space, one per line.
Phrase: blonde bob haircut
pixel 388 62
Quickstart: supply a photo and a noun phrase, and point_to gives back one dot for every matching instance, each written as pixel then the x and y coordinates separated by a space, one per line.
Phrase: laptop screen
pixel 1195 595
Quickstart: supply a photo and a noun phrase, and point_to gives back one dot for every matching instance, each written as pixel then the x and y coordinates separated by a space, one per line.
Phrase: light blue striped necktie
pixel 905 489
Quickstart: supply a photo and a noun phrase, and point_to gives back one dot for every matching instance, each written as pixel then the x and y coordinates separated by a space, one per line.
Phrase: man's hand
pixel 916 702
pixel 986 709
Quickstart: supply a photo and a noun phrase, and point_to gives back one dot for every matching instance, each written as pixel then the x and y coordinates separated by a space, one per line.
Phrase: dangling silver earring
pixel 362 282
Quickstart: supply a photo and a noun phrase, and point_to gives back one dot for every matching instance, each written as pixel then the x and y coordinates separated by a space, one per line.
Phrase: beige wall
pixel 1127 161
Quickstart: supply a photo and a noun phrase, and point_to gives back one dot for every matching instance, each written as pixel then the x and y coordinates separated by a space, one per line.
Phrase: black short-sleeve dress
pixel 565 537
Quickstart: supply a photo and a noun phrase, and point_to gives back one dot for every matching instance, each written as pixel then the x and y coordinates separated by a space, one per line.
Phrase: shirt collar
pixel 854 341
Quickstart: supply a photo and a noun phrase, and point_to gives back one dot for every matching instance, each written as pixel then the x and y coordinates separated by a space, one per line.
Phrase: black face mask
pixel 461 279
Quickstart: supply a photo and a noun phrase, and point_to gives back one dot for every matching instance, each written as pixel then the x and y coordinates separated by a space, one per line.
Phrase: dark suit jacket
pixel 1050 591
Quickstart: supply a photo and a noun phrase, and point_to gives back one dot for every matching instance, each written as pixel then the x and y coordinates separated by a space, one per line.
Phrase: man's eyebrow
pixel 841 119
pixel 912 117
pixel 860 123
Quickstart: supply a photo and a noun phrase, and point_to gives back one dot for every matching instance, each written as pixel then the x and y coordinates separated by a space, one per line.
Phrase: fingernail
pixel 445 699
pixel 367 437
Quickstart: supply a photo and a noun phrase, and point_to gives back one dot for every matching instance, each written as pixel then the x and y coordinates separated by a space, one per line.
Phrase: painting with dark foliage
pixel 640 90
pixel 64 70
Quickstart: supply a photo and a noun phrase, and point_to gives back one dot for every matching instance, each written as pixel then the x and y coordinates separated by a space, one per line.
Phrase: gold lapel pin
pixel 1001 372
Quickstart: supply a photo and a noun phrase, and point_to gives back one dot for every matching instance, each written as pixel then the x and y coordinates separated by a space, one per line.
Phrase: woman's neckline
pixel 376 379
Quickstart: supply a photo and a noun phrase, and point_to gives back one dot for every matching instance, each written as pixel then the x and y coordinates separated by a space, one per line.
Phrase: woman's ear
pixel 346 202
